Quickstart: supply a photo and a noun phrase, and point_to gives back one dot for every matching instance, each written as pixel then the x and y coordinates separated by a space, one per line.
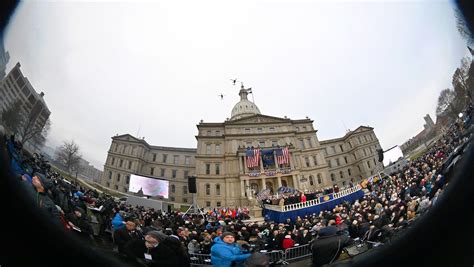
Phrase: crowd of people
pixel 158 238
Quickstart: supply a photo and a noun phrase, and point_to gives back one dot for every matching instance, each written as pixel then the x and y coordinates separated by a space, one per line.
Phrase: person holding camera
pixel 226 253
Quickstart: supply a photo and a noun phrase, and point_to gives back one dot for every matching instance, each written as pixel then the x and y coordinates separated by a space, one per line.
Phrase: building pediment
pixel 258 119
pixel 126 137
pixel 361 129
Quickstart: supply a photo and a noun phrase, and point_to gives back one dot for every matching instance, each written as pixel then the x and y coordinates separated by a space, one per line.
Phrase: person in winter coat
pixel 226 253
pixel 288 242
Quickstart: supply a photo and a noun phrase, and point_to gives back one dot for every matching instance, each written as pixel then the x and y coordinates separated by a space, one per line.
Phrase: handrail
pixel 313 202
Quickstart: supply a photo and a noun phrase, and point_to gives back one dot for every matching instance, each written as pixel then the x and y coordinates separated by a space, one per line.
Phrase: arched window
pixel 341 174
pixel 208 189
pixel 311 180
pixel 173 188
pixel 319 178
pixel 333 177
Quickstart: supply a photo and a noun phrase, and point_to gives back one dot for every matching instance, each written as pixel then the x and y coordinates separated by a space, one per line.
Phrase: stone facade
pixel 219 161
pixel 130 155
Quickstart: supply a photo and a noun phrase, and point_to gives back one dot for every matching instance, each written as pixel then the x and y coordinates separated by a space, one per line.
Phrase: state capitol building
pixel 225 178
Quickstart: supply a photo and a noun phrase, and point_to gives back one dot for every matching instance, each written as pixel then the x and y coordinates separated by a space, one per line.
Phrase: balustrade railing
pixel 312 202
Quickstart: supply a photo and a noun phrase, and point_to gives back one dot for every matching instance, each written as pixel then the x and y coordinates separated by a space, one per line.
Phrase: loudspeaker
pixel 192 184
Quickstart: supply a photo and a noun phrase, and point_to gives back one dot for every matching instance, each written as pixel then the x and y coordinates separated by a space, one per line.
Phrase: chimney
pixel 41 94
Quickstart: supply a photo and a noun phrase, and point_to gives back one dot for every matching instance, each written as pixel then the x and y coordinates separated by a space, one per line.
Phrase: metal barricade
pixel 275 256
pixel 297 253
pixel 200 259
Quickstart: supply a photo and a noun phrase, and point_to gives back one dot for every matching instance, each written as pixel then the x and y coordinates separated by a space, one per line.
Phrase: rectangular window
pixel 218 149
pixel 113 161
pixel 218 204
pixel 118 177
pixel 176 159
pixel 172 199
pixel 218 189
pixel 154 156
pixel 330 163
pixel 165 158
pixel 129 165
pixel 162 172
pixel 128 179
pixel 208 149
pixel 208 168
pixel 306 159
pixel 218 170
pixel 185 200
pixel 360 140
pixel 208 189
pixel 309 142
pixel 345 159
pixel 185 189
pixel 368 164
pixel 110 175
pixel 173 188
pixel 302 143
pixel 315 158
pixel 341 147
pixel 173 174
pixel 186 174
pixel 187 160
pixel 349 172
pixel 365 137
pixel 337 162
pixel 208 203
pixel 121 163
pixel 333 149
pixel 152 171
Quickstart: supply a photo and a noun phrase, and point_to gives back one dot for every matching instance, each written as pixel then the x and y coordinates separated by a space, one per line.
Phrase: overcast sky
pixel 111 68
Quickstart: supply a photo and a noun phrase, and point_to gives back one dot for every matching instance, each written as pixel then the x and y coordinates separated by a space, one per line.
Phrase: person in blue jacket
pixel 118 222
pixel 226 253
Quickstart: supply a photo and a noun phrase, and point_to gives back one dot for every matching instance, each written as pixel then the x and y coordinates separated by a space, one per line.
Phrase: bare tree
pixel 463 27
pixel 12 117
pixel 68 155
pixel 445 103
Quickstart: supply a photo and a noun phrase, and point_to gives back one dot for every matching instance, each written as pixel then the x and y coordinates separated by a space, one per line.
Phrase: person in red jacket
pixel 303 198
pixel 288 242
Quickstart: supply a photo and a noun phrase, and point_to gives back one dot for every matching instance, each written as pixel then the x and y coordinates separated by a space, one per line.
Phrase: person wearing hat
pixel 328 246
pixel 129 232
pixel 43 201
pixel 225 252
pixel 154 250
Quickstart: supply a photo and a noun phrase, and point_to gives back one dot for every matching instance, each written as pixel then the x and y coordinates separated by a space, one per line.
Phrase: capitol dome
pixel 244 107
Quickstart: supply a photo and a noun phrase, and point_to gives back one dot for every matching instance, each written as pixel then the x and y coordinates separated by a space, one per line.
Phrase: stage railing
pixel 312 202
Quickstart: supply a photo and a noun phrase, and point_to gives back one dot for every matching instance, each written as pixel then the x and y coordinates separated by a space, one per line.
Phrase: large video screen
pixel 149 186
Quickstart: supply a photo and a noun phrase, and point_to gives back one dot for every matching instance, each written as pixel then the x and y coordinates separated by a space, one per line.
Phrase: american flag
pixel 253 157
pixel 282 156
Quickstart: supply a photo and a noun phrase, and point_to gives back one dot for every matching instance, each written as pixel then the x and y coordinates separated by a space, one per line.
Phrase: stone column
pixel 242 188
pixel 277 166
pixel 263 184
pixel 295 182
pixel 292 164
pixel 261 163
pixel 245 164
pixel 240 165
pixel 279 180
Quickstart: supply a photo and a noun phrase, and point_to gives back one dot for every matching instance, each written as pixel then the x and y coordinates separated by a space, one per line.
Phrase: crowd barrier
pixel 275 256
